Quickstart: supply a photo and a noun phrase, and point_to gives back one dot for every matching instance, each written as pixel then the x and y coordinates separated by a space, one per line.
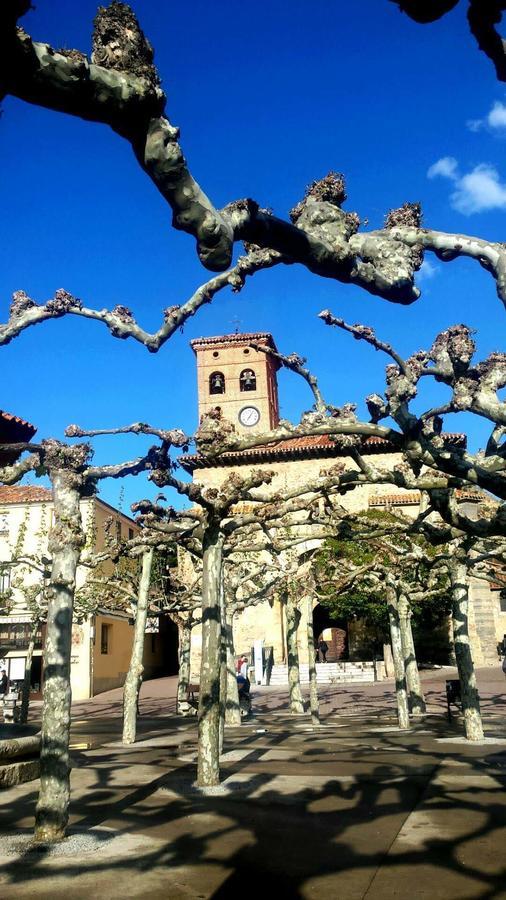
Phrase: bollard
pixel 10 707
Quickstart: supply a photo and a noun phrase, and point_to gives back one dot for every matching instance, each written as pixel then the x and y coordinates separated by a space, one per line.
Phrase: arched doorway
pixel 334 632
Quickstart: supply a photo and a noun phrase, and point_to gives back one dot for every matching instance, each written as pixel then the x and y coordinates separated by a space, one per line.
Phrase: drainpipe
pixel 92 651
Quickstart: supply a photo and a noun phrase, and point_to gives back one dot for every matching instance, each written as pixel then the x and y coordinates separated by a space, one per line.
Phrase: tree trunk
pixel 232 709
pixel 416 699
pixel 292 625
pixel 400 674
pixel 66 539
pixel 388 661
pixel 185 636
pixel 208 767
pixel 469 692
pixel 223 666
pixel 133 680
pixel 27 681
pixel 313 685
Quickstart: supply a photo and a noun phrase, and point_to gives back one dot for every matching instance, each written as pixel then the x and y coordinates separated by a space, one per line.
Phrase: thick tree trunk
pixel 313 685
pixel 133 680
pixel 292 625
pixel 416 699
pixel 469 692
pixel 208 767
pixel 232 709
pixel 185 636
pixel 400 673
pixel 65 541
pixel 27 681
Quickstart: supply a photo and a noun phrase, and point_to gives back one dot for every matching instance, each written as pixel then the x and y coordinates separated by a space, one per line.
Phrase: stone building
pixel 101 644
pixel 242 382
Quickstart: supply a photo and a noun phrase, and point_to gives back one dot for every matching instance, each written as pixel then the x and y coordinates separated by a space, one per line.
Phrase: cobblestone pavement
pixel 354 809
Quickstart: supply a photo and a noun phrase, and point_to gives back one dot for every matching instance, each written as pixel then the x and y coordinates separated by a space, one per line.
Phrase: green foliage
pixel 364 601
pixel 369 608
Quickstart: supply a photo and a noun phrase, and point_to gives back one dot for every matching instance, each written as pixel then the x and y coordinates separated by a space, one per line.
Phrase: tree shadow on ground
pixel 322 819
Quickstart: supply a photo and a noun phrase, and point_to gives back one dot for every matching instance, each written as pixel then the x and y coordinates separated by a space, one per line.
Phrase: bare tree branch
pixel 120 321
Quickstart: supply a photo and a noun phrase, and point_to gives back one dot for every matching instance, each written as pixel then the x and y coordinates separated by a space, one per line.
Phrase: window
pixel 502 597
pixel 247 380
pixel 217 383
pixel 4 522
pixel 130 534
pixel 105 638
pixel 118 530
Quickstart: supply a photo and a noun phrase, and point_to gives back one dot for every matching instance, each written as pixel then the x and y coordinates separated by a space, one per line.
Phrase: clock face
pixel 249 415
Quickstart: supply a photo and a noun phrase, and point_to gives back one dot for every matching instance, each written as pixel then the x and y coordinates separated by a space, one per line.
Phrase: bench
pixel 192 693
pixel 453 695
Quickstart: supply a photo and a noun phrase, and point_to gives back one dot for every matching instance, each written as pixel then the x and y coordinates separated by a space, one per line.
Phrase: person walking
pixel 244 667
pixel 4 682
pixel 323 648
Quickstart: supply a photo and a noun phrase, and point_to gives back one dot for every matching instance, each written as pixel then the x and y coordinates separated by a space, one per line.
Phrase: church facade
pixel 242 383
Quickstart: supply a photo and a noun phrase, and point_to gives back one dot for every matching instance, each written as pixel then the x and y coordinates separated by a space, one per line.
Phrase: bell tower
pixel 239 380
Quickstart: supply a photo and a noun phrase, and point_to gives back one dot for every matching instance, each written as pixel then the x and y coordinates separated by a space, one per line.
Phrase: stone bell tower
pixel 239 380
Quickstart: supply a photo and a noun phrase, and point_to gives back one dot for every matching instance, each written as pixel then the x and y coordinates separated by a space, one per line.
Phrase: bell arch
pixel 247 380
pixel 216 383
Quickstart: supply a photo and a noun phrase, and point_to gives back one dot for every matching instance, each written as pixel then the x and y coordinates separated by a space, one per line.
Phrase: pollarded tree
pixel 137 583
pixel 72 476
pixel 120 87
pixel 391 574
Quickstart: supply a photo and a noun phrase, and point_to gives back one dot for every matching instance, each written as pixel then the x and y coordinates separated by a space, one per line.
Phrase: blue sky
pixel 266 101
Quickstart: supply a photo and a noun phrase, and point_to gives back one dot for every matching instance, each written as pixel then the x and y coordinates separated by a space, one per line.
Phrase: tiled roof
pixel 28 493
pixel 13 430
pixel 305 447
pixel 15 420
pixel 243 338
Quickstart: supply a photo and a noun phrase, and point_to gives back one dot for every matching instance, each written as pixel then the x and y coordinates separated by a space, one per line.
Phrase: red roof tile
pixel 306 446
pixel 243 338
pixel 13 430
pixel 27 493
pixel 15 420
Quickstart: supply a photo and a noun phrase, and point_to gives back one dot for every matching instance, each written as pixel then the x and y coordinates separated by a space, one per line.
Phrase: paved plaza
pixel 353 809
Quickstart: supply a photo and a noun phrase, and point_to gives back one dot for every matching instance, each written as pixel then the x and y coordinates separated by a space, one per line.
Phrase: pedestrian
pixel 504 665
pixel 323 649
pixel 244 667
pixel 4 682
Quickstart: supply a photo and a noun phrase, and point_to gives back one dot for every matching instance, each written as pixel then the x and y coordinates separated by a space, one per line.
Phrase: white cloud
pixel 495 119
pixel 479 190
pixel 475 124
pixel 497 115
pixel 446 167
pixel 427 270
